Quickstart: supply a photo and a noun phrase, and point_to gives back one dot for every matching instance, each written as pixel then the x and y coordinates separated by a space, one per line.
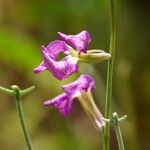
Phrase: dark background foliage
pixel 25 25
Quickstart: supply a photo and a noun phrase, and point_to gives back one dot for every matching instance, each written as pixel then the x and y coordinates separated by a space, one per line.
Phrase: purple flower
pixel 60 69
pixel 78 42
pixel 63 102
pixel 80 89
pixel 74 47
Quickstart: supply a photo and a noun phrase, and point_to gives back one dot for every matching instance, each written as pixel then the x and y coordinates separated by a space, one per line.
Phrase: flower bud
pixel 94 56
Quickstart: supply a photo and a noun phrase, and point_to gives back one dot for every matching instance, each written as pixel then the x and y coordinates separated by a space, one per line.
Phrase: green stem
pixel 17 97
pixel 106 140
pixel 119 138
pixel 118 131
pixel 7 91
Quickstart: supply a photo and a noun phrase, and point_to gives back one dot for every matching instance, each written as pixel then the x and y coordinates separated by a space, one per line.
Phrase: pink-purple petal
pixel 84 35
pixel 62 102
pixel 79 41
pixel 51 51
pixel 56 47
pixel 40 68
pixel 83 84
pixel 60 69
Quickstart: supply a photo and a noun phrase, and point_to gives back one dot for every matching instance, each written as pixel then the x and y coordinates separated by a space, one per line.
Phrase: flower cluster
pixel 74 49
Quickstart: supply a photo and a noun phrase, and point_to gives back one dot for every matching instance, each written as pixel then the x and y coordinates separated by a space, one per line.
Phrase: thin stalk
pixel 17 98
pixel 118 131
pixel 119 138
pixel 106 140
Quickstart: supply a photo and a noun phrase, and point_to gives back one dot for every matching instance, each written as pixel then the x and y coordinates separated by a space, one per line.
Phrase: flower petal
pixel 40 68
pixel 56 47
pixel 61 69
pixel 82 84
pixel 53 49
pixel 79 41
pixel 62 102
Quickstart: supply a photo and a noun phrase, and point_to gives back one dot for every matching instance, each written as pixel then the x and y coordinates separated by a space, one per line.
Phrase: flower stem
pixel 17 97
pixel 118 131
pixel 106 140
pixel 119 138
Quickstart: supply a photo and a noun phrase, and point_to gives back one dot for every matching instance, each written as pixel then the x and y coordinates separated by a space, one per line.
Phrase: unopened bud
pixel 94 56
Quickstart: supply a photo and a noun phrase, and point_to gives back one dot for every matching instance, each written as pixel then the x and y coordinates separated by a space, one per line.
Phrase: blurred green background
pixel 25 25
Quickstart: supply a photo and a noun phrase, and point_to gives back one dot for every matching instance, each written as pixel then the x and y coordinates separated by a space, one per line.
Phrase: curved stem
pixel 106 140
pixel 17 98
